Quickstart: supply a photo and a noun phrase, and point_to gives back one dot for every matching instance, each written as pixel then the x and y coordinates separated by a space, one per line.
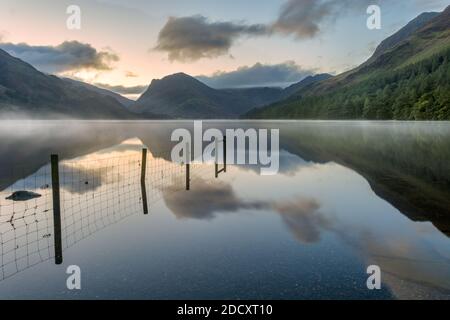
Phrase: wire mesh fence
pixel 94 192
pixel 26 223
pixel 97 193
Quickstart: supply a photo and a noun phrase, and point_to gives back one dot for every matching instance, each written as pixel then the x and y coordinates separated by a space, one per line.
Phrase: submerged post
pixel 188 167
pixel 56 208
pixel 216 162
pixel 143 187
pixel 216 165
pixel 144 164
pixel 224 153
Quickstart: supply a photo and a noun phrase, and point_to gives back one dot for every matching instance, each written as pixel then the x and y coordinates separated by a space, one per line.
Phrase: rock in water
pixel 23 196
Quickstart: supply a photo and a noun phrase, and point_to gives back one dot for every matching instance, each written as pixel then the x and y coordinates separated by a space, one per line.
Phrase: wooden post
pixel 56 208
pixel 144 197
pixel 216 162
pixel 143 187
pixel 188 167
pixel 144 164
pixel 224 153
pixel 188 176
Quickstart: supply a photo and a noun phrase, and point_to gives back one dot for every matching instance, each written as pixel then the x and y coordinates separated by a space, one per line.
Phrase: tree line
pixel 419 91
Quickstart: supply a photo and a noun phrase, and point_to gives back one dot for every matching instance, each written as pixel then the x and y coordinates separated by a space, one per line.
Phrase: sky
pixel 123 45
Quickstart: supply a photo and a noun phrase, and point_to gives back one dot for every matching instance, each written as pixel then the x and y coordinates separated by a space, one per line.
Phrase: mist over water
pixel 348 195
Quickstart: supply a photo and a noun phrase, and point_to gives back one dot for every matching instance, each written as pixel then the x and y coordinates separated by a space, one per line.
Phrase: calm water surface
pixel 348 195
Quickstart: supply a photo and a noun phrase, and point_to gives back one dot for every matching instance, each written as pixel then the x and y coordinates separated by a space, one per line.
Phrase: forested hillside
pixel 417 92
pixel 407 80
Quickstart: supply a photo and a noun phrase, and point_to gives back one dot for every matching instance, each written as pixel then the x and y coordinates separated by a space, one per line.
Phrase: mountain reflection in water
pixel 368 193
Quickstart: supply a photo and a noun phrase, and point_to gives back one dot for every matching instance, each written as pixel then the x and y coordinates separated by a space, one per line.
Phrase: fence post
pixel 216 162
pixel 188 167
pixel 56 208
pixel 224 153
pixel 143 173
pixel 144 164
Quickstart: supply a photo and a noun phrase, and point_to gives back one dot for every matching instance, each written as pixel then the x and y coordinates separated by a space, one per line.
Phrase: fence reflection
pixel 94 194
pixel 26 227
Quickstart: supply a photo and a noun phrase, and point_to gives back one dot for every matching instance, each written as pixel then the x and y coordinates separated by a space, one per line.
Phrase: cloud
pixel 122 89
pixel 68 56
pixel 304 18
pixel 193 204
pixel 302 216
pixel 303 219
pixel 290 164
pixel 188 39
pixel 192 38
pixel 258 75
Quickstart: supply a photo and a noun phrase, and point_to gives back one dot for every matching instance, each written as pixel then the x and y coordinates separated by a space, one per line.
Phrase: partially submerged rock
pixel 23 196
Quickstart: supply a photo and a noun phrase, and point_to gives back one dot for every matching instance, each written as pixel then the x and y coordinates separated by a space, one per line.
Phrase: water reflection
pixel 405 163
pixel 207 199
pixel 304 219
pixel 97 190
pixel 377 191
pixel 314 206
pixel 211 198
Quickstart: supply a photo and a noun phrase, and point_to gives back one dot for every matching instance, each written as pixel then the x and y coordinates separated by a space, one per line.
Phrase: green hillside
pixel 406 81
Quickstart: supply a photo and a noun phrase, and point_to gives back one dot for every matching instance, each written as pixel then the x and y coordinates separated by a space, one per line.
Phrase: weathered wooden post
pixel 188 166
pixel 54 162
pixel 143 187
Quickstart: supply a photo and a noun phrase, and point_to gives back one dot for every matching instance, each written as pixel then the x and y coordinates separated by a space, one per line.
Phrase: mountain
pixel 25 91
pixel 407 78
pixel 289 91
pixel 121 99
pixel 246 99
pixel 404 33
pixel 182 96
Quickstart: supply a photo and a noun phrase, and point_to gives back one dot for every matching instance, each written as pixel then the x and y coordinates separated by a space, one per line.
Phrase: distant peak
pixel 179 75
pixel 173 77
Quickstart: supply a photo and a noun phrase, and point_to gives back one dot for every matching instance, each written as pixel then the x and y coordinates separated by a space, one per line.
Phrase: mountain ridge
pixel 412 26
pixel 121 99
pixel 25 90
pixel 407 80
pixel 182 96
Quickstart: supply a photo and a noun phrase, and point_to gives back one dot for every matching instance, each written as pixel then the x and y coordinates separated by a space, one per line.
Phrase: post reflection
pixel 327 194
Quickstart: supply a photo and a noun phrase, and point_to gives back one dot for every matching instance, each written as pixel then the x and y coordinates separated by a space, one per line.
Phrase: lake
pixel 348 195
